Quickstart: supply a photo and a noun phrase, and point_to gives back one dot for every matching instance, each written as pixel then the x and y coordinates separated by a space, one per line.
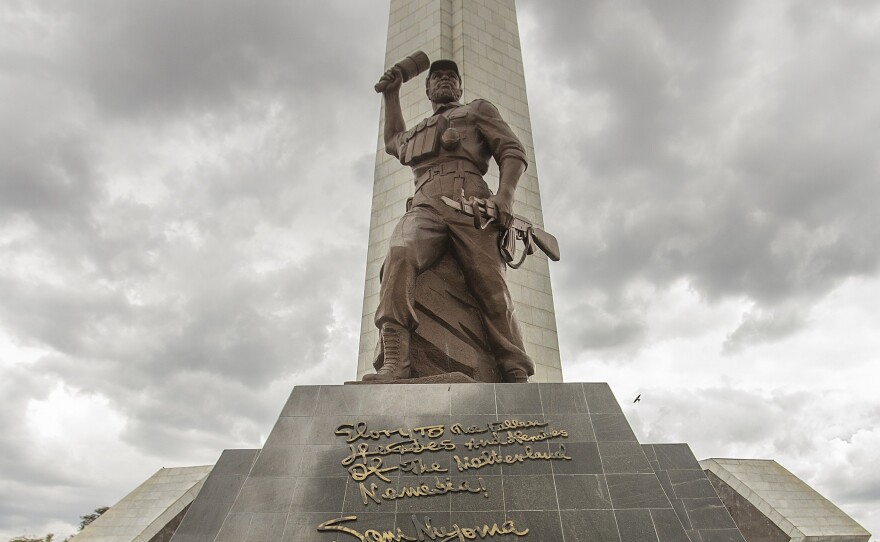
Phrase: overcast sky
pixel 185 198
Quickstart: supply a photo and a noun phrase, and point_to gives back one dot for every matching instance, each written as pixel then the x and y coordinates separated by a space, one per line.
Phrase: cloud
pixel 184 200
pixel 801 430
pixel 743 165
pixel 762 326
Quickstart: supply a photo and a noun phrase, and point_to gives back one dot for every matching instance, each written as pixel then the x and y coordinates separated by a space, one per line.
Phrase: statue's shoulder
pixel 484 107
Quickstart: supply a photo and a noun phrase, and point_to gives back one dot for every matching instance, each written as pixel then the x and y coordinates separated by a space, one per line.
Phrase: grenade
pixel 451 139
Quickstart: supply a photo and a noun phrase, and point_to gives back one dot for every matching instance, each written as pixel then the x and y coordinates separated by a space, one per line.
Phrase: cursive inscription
pixel 424 530
pixel 421 490
pixel 514 437
pixel 488 458
pixel 357 431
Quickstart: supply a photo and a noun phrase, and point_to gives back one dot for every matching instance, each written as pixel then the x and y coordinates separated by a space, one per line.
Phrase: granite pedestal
pixel 525 462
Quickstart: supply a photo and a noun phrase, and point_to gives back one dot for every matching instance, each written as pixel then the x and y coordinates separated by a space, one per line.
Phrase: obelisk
pixel 482 37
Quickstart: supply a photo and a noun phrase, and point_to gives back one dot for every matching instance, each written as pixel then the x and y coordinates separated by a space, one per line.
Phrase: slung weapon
pixel 484 213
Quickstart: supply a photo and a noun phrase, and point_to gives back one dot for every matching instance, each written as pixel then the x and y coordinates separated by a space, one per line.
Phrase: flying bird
pixel 638 398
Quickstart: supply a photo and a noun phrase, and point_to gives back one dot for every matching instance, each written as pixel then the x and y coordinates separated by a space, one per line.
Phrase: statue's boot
pixel 516 376
pixel 395 345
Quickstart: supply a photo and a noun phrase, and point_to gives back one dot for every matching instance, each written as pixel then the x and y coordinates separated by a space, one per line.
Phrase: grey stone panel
pixel 600 398
pixel 675 456
pixel 578 427
pixel 611 427
pixel 589 526
pixel 755 526
pixel 669 528
pixel 561 399
pixel 516 399
pixel 583 492
pixel 472 399
pixel 624 457
pixel 208 511
pixel 698 508
pixel 636 491
pixel 636 525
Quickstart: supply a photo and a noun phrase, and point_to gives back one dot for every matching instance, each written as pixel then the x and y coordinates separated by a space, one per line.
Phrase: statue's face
pixel 444 86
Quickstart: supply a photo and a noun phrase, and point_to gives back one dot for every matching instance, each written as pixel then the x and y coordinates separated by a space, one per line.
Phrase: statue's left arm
pixel 508 152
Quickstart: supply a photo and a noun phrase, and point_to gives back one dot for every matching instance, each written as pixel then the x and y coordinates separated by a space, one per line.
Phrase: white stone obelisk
pixel 482 37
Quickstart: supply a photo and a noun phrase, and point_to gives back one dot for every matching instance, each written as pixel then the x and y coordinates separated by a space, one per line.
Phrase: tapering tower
pixel 482 37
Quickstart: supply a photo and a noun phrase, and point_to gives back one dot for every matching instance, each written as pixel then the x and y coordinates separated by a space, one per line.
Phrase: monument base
pixel 533 463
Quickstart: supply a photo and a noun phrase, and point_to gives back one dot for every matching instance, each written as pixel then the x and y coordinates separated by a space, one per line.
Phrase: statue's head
pixel 443 84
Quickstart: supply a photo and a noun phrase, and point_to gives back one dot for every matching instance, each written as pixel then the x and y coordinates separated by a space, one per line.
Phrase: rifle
pixel 484 213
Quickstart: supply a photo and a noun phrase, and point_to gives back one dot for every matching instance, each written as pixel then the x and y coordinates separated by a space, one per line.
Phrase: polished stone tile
pixel 577 426
pixel 290 431
pixel 636 491
pixel 589 526
pixel 203 517
pixel 517 399
pixel 235 528
pixel 668 527
pixel 563 399
pixel 323 461
pixel 584 459
pixel 471 399
pixel 221 488
pixel 600 399
pixel 691 484
pixel 303 401
pixel 635 525
pixel 319 495
pixel 235 462
pixel 612 428
pixel 623 457
pixel 266 528
pixel 265 494
pixel 492 499
pixel 708 513
pixel 676 456
pixel 529 493
pixel 582 492
pixel 279 461
pixel 427 399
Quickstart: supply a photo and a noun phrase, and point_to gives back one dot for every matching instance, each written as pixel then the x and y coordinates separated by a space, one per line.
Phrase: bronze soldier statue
pixel 449 153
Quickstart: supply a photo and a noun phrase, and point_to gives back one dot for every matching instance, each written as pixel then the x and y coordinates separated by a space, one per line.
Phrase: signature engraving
pixel 424 530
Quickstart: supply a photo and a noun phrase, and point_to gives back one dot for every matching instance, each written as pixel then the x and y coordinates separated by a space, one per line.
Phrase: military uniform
pixel 449 153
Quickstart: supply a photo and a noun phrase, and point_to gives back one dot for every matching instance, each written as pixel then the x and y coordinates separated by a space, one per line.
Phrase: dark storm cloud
pixel 149 57
pixel 715 149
